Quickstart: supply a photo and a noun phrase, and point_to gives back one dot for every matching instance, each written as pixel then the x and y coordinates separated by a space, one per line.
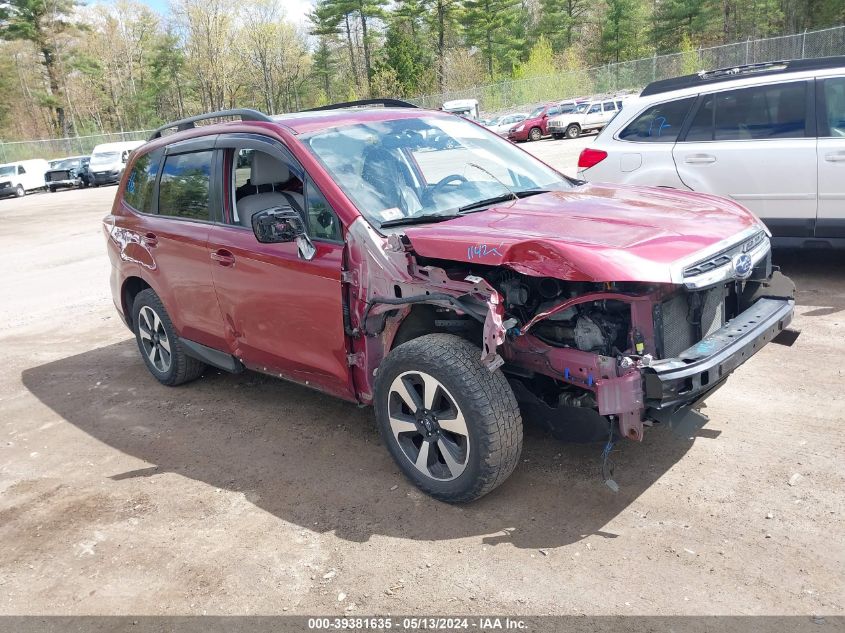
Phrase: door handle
pixel 700 159
pixel 149 239
pixel 223 257
pixel 835 157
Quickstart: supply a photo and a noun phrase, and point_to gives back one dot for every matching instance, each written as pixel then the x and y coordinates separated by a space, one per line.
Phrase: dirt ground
pixel 246 495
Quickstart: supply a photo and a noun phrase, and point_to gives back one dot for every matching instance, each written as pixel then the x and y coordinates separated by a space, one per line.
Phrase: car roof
pixel 304 122
pixel 765 71
pixel 312 121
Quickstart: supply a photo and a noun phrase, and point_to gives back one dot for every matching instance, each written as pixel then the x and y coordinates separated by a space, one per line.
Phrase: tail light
pixel 590 156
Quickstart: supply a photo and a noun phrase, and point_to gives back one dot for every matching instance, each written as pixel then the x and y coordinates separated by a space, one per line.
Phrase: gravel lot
pixel 242 494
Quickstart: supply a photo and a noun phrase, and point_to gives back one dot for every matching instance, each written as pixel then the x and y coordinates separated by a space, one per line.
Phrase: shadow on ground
pixel 819 277
pixel 317 462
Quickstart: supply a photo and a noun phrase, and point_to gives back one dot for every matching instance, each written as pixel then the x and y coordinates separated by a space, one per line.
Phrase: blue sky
pixel 295 10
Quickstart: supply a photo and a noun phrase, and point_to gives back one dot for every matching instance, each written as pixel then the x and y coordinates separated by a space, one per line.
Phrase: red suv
pixel 415 261
pixel 535 126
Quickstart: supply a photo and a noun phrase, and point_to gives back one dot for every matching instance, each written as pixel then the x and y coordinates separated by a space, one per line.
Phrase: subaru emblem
pixel 742 265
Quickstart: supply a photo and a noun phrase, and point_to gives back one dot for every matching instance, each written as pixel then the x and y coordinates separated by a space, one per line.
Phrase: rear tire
pixel 535 134
pixel 159 344
pixel 52 189
pixel 573 131
pixel 452 426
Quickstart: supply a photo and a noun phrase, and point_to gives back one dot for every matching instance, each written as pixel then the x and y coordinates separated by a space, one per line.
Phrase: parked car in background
pixel 503 124
pixel 467 108
pixel 588 116
pixel 534 127
pixel 21 177
pixel 770 136
pixel 459 287
pixel 109 159
pixel 69 172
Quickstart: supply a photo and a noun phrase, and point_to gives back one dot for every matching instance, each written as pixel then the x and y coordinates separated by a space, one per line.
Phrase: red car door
pixel 175 235
pixel 282 314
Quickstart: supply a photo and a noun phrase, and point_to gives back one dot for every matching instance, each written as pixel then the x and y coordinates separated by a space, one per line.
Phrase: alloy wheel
pixel 154 339
pixel 428 425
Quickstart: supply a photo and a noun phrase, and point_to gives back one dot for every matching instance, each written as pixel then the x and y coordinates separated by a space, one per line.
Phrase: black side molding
pixel 212 356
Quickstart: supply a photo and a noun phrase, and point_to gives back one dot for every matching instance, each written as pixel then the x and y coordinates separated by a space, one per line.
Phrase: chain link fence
pixel 634 75
pixel 60 147
pixel 525 93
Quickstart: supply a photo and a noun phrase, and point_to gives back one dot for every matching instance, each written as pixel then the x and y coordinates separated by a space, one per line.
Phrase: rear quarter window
pixel 185 186
pixel 141 182
pixel 660 123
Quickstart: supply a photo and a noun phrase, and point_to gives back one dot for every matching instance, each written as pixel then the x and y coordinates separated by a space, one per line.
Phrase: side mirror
pixel 277 225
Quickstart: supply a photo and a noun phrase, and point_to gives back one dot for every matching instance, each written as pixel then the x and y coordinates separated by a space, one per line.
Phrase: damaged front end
pixel 591 360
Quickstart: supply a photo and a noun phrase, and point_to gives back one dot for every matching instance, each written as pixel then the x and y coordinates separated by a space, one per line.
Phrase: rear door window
pixel 184 186
pixel 761 112
pixel 141 182
pixel 660 123
pixel 608 106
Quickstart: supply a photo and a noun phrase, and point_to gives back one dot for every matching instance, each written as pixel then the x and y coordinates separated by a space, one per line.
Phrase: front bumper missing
pixel 700 369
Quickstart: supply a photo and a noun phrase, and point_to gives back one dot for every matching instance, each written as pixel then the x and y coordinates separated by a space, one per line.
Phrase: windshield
pixel 433 166
pixel 581 109
pixel 105 158
pixel 8 170
pixel 70 163
pixel 537 112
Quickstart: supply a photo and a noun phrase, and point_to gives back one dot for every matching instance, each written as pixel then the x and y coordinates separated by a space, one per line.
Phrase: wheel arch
pixel 132 285
pixel 423 318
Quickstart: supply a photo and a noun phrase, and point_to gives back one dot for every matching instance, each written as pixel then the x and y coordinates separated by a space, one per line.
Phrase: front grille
pixel 675 327
pixel 725 257
pixel 55 176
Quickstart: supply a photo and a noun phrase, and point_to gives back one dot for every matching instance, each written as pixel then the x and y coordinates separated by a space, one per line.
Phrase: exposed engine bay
pixel 590 361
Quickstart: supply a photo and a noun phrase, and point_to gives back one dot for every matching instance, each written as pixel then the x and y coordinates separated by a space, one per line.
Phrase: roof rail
pixel 387 103
pixel 246 114
pixel 735 72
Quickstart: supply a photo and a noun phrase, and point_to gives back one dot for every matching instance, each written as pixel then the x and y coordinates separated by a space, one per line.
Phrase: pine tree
pixel 42 23
pixel 494 26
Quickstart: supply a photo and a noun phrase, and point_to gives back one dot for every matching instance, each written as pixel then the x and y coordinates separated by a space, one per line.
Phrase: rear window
pixel 184 188
pixel 759 112
pixel 141 181
pixel 660 123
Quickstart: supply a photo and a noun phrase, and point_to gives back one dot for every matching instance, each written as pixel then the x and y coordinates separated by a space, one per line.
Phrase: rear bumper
pixel 700 369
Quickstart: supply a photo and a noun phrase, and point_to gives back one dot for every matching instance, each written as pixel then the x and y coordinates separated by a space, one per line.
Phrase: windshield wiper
pixel 419 219
pixel 502 198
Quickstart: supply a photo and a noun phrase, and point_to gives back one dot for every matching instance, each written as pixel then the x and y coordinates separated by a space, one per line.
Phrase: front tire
pixel 159 344
pixel 452 426
pixel 20 192
pixel 535 134
pixel 573 131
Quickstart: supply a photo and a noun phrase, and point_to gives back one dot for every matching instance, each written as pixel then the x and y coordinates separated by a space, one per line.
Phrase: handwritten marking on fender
pixel 482 250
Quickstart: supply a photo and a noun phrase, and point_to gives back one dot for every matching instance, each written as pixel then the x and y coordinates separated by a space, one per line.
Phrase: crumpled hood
pixel 590 233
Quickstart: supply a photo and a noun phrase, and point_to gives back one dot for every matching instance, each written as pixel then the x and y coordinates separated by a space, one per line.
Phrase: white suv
pixel 771 136
pixel 588 116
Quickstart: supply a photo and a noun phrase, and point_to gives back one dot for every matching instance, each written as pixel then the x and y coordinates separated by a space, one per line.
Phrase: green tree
pixel 557 20
pixel 443 20
pixel 622 29
pixel 673 19
pixel 494 26
pixel 44 24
